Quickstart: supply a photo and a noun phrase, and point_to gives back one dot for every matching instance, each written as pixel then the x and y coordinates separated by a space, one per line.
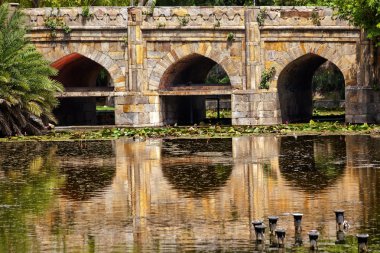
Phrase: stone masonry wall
pixel 137 45
pixel 138 110
pixel 277 36
pixel 99 37
pixel 258 108
pixel 363 99
pixel 160 37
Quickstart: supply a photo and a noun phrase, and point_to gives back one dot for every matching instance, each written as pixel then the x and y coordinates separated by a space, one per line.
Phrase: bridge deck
pixel 197 89
pixel 86 92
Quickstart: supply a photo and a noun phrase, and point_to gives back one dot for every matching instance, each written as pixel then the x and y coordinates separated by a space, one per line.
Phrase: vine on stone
pixel 315 18
pixel 230 37
pixel 183 21
pixel 262 16
pixel 86 12
pixel 55 22
pixel 266 76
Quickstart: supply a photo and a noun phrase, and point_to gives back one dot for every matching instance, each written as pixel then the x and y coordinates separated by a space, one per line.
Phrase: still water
pixel 183 195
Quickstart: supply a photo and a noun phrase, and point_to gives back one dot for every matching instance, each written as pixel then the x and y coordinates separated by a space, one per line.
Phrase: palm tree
pixel 26 91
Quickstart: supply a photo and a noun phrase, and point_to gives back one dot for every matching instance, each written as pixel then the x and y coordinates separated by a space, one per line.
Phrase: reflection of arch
pixel 88 168
pixel 76 70
pixel 190 167
pixel 103 59
pixel 295 88
pixel 203 49
pixel 84 182
pixel 197 180
pixel 312 164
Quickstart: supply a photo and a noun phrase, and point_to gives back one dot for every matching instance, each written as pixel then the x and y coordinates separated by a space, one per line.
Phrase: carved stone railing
pixel 186 17
pixel 193 17
pixel 299 16
pixel 77 18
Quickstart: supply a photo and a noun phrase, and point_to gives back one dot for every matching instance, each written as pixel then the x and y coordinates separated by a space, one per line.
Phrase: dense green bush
pixel 328 81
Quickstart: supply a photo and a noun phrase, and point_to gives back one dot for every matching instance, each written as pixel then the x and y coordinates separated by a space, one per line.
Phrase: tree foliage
pixel 26 91
pixel 362 13
pixel 328 81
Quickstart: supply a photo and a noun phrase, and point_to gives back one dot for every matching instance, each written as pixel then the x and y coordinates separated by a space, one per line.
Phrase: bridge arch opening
pixel 311 87
pixel 76 71
pixel 194 70
pixel 87 99
pixel 195 90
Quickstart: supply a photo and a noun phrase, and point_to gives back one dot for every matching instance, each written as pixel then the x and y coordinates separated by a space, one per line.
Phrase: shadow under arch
pixel 191 70
pixel 87 84
pixel 76 70
pixel 196 83
pixel 295 88
pixel 312 163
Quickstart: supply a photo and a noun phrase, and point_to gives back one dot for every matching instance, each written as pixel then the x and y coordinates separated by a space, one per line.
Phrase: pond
pixel 176 195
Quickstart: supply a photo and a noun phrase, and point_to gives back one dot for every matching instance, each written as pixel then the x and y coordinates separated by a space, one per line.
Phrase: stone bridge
pixel 154 62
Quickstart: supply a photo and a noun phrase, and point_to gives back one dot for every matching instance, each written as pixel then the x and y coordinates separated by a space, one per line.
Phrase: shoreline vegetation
pixel 207 131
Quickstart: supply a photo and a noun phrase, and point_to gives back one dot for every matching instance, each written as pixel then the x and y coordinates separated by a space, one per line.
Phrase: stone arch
pixel 294 86
pixel 192 68
pixel 341 55
pixel 76 70
pixel 103 59
pixel 80 66
pixel 221 57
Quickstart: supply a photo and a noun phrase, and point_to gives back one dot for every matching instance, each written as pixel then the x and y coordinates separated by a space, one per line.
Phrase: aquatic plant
pixel 205 131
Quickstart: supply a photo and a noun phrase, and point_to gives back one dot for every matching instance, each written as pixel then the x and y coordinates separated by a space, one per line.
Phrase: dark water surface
pixel 183 195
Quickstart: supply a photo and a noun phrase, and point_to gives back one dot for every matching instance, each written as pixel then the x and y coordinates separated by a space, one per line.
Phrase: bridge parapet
pixel 77 18
pixel 186 17
pixel 194 17
pixel 298 16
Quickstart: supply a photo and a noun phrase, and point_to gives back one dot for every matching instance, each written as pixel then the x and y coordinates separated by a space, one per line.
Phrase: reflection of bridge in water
pixel 146 208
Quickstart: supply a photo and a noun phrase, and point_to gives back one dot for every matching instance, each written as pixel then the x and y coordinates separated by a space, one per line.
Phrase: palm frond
pixel 26 91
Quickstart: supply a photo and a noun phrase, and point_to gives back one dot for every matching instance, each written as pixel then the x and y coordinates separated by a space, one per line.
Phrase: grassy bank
pixel 200 132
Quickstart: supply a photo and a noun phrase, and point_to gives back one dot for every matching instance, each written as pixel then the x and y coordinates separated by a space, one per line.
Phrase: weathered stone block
pixel 269 121
pixel 240 107
pixel 134 108
pixel 154 99
pixel 127 119
pixel 241 98
pixel 244 121
pixel 240 115
pixel 270 106
pixel 154 118
pixel 139 54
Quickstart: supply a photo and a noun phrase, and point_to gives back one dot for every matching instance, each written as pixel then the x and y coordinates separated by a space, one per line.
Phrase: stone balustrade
pixel 97 17
pixel 193 17
pixel 187 17
pixel 299 16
